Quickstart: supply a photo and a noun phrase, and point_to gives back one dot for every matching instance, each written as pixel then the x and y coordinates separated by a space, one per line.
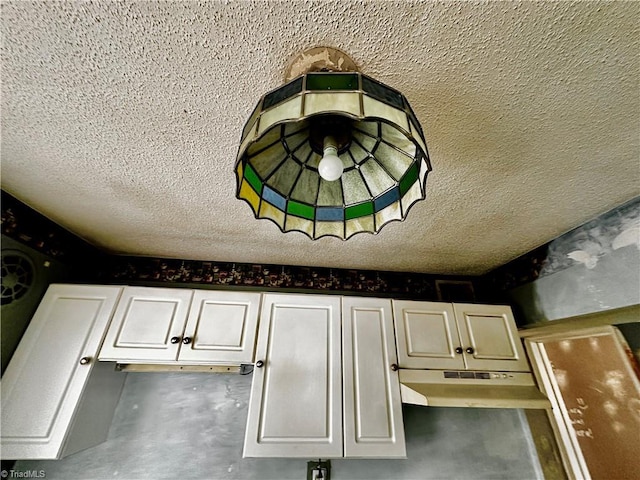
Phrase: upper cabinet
pixel 169 325
pixel 295 408
pixel 434 335
pixel 56 399
pixel 372 405
pixel 326 380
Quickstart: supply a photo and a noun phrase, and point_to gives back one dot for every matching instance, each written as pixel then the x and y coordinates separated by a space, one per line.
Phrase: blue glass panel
pixel 386 199
pixel 274 198
pixel 330 214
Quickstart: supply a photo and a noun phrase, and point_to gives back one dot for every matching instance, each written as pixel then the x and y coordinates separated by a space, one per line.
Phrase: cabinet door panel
pixel 295 408
pixel 491 332
pixel 144 323
pixel 43 383
pixel 222 327
pixel 426 335
pixel 372 406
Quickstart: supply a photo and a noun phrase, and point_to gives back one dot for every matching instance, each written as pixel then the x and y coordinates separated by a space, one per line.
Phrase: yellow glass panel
pixel 297 223
pixel 392 212
pixel 269 211
pixel 250 195
pixel 348 102
pixel 239 169
pixel 374 108
pixel 288 110
pixel 330 228
pixel 362 224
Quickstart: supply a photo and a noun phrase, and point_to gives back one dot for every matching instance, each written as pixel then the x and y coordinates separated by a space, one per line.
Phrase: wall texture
pixel 191 426
pixel 593 268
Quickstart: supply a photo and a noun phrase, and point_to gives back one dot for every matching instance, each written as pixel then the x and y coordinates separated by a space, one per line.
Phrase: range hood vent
pixel 438 388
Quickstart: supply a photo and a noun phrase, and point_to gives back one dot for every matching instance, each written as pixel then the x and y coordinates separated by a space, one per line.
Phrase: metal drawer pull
pixel 175 340
pixel 84 360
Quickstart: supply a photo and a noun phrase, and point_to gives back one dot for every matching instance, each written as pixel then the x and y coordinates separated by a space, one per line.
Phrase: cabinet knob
pixel 186 340
pixel 470 350
pixel 84 360
pixel 459 350
pixel 394 367
pixel 175 339
pixel 259 364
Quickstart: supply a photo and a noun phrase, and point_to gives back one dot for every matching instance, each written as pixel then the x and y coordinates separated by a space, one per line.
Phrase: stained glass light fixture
pixel 332 153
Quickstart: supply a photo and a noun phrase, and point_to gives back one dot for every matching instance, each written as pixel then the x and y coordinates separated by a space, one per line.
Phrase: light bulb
pixel 330 167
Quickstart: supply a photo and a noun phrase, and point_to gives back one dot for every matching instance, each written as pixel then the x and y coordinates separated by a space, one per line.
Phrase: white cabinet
pixel 372 405
pixel 56 399
pixel 434 335
pixel 295 408
pixel 308 345
pixel 168 325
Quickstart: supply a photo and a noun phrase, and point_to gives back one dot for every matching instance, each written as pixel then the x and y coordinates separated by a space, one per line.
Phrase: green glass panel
pixel 267 139
pixel 302 154
pixel 268 160
pixel 393 161
pixel 358 153
pixel 306 188
pixel 360 210
pixel 376 177
pixel 284 177
pixel 253 179
pixel 330 194
pixel 282 93
pixel 365 141
pixel 332 81
pixel 355 190
pixel 294 141
pixel 409 179
pixel 395 137
pixel 300 209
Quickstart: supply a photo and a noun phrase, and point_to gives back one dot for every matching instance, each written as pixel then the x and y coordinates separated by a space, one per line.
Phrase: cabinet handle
pixel 186 340
pixel 459 350
pixel 259 364
pixel 394 367
pixel 175 340
pixel 84 360
pixel 469 350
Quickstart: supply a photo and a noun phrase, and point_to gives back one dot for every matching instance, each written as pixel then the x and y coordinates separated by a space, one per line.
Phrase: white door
pixel 295 408
pixel 221 327
pixel 44 381
pixel 427 335
pixel 148 325
pixel 490 338
pixel 372 406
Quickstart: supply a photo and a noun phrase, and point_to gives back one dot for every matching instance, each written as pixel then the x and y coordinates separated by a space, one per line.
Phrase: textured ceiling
pixel 121 121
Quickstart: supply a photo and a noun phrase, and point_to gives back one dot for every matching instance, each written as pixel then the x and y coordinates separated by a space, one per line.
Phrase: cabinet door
pixel 295 408
pixel 221 327
pixel 44 381
pixel 427 335
pixel 148 325
pixel 490 338
pixel 372 406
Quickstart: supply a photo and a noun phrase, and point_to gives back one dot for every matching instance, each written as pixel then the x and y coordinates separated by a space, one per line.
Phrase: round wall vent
pixel 18 274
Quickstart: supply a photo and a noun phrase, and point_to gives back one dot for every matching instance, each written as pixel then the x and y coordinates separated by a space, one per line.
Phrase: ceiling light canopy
pixel 332 153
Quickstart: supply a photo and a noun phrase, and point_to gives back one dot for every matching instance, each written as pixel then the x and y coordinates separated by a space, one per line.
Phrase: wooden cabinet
pixel 56 399
pixel 308 345
pixel 295 408
pixel 434 335
pixel 372 406
pixel 168 325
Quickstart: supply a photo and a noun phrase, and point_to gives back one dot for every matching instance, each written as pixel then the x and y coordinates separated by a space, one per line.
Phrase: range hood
pixel 483 389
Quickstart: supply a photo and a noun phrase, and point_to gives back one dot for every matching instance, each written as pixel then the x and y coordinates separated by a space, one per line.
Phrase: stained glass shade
pixel 385 157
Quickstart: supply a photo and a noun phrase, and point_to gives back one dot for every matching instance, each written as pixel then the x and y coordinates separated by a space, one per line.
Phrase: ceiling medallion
pixel 332 152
